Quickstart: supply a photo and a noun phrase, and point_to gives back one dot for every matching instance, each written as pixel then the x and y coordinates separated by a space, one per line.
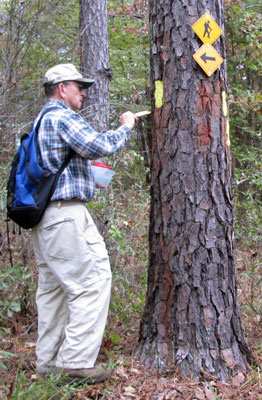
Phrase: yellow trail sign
pixel 208 58
pixel 207 29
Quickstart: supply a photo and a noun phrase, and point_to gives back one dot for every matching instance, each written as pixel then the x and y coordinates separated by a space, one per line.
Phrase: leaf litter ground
pixel 131 380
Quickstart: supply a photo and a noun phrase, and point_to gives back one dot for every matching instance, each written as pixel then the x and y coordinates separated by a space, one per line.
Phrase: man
pixel 74 273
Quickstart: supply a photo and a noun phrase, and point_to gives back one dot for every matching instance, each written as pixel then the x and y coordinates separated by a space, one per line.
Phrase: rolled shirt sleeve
pixel 84 140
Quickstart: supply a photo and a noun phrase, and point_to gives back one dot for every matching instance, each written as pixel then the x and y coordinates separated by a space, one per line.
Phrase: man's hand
pixel 129 119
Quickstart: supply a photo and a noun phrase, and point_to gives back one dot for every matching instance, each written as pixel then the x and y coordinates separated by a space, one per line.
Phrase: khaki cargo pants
pixel 74 286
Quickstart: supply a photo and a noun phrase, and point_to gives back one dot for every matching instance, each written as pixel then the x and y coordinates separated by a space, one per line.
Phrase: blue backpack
pixel 30 186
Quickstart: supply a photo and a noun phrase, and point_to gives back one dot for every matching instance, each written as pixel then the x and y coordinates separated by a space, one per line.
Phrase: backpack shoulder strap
pixel 65 163
pixel 71 152
pixel 42 115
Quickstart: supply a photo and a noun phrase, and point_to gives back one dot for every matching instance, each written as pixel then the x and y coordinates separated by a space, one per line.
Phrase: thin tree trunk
pixel 95 60
pixel 191 318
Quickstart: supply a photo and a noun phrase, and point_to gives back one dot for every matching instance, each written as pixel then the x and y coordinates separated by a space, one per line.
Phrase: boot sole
pixel 63 380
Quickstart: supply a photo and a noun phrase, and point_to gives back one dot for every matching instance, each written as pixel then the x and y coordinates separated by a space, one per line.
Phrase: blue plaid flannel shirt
pixel 63 129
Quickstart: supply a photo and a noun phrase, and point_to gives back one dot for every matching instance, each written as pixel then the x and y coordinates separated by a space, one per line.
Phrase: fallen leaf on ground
pixel 130 392
pixel 199 395
pixel 209 393
pixel 121 372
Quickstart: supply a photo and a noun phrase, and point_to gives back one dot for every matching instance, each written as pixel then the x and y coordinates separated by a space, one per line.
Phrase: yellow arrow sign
pixel 208 58
pixel 207 29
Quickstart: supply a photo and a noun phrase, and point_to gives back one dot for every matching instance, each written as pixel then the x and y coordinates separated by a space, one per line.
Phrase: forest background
pixel 35 35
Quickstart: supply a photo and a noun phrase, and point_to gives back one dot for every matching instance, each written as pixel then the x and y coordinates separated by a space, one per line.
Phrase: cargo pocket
pixel 46 279
pixel 61 239
pixel 97 252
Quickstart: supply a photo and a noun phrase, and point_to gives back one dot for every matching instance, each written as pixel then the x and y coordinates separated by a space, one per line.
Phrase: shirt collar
pixel 57 103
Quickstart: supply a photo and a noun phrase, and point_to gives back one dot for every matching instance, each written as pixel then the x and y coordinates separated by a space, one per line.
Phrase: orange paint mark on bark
pixel 203 100
pixel 207 108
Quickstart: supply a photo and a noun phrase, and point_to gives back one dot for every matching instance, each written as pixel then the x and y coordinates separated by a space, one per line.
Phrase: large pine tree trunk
pixel 95 60
pixel 191 318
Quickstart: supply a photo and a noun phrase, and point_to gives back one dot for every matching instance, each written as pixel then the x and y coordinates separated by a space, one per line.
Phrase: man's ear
pixel 61 90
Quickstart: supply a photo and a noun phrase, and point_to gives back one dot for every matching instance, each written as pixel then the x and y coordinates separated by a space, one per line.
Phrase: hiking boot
pixel 82 375
pixel 43 371
pixel 88 375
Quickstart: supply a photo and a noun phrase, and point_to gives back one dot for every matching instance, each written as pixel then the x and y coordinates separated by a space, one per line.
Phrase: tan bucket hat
pixel 65 72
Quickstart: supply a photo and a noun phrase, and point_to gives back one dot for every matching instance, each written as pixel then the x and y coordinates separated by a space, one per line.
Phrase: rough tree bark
pixel 191 317
pixel 95 60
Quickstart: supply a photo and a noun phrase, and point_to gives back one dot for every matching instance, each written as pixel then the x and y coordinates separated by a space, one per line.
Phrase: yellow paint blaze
pixel 224 103
pixel 159 94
